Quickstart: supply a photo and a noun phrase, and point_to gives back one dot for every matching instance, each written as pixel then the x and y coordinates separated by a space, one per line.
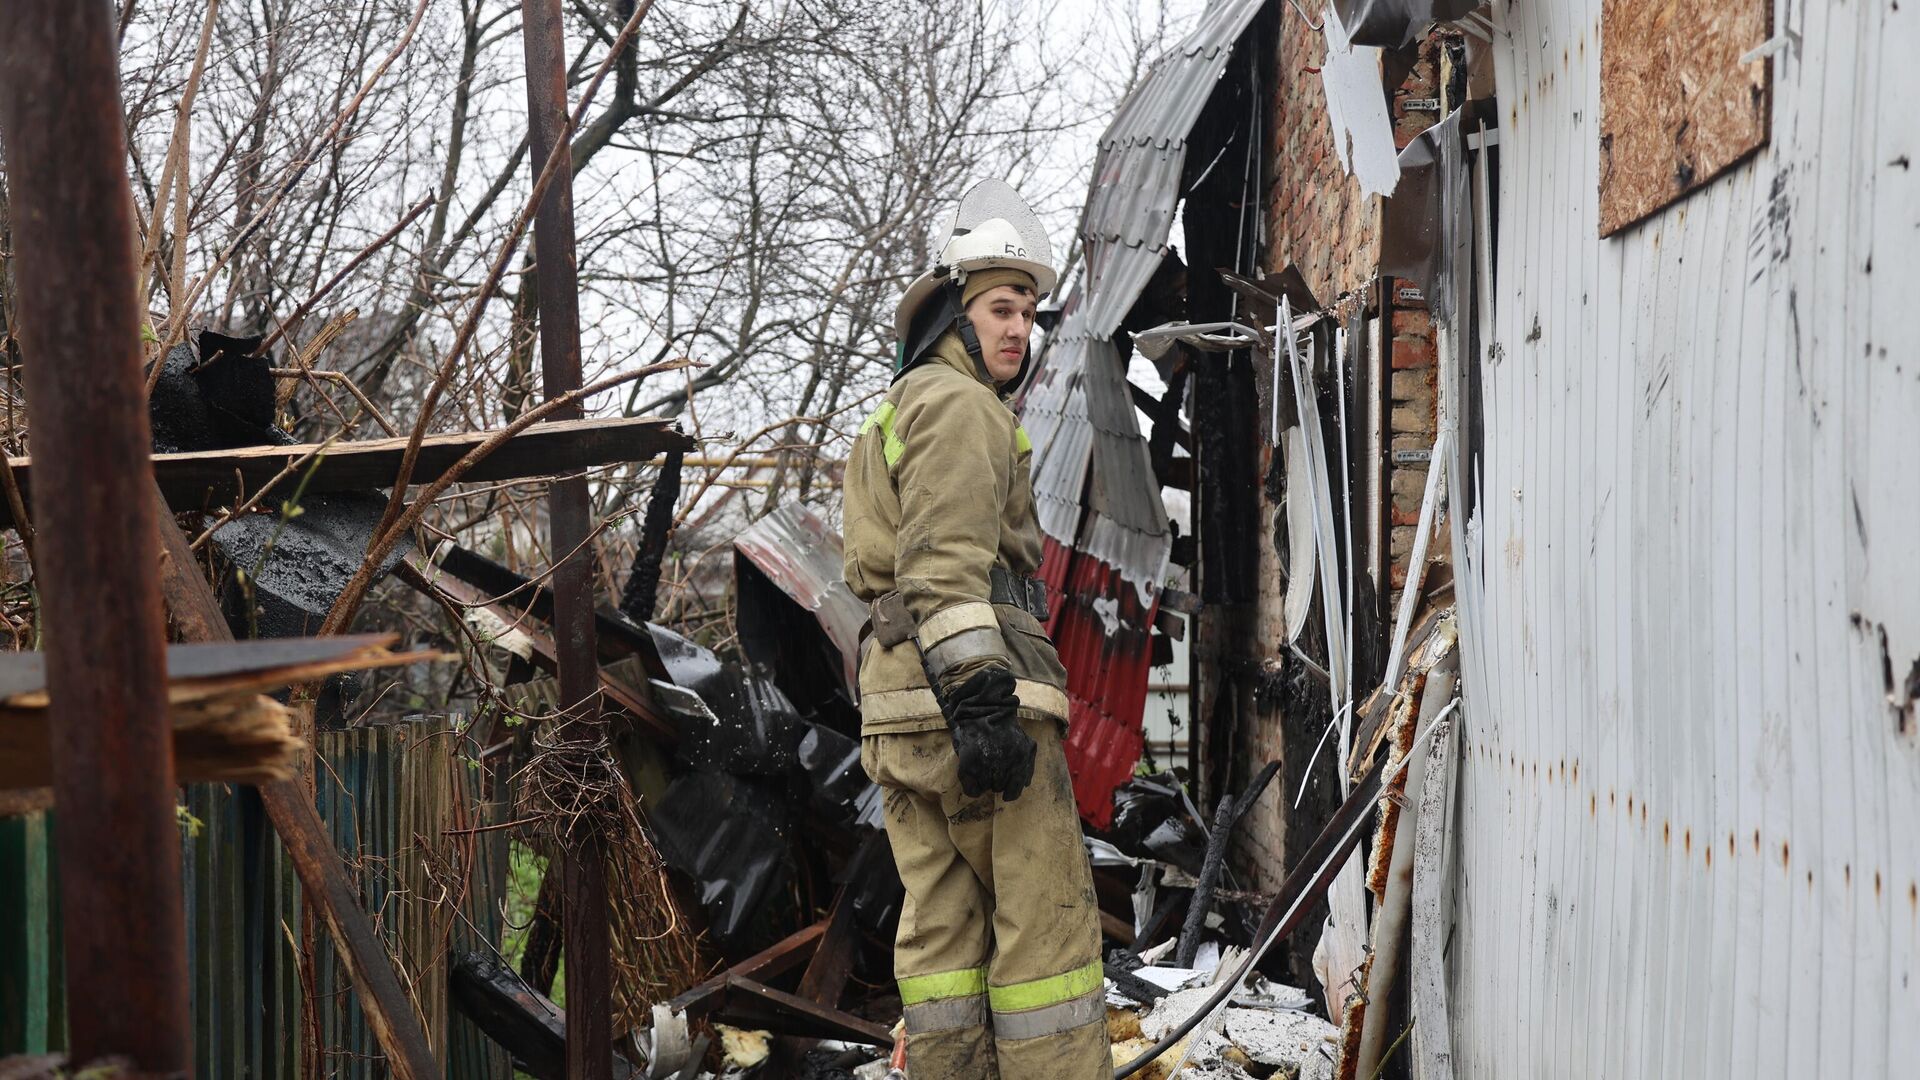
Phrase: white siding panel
pixel 1687 805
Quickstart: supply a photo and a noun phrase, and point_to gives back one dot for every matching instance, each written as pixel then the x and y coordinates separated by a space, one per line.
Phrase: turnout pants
pixel 998 955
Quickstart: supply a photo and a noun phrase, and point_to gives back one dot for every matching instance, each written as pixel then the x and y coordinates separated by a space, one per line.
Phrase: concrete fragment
pixel 1285 1039
pixel 1273 1039
pixel 1209 1056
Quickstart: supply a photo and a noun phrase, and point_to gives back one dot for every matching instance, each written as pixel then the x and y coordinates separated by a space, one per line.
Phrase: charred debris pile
pixel 747 766
pixel 770 855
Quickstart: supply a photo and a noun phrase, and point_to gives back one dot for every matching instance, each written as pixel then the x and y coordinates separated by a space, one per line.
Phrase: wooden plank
pixel 803 1017
pixel 1427 960
pixel 216 478
pixel 1677 107
pixel 826 975
pixel 73 228
pixel 223 729
pixel 780 957
pixel 209 669
pixel 315 859
pixel 544 652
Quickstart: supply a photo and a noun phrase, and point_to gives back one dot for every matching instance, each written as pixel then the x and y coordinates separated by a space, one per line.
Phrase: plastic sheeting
pixel 841 790
pixel 1151 822
pixel 731 836
pixel 755 730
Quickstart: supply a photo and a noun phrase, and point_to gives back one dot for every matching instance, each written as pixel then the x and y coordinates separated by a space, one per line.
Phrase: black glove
pixel 983 718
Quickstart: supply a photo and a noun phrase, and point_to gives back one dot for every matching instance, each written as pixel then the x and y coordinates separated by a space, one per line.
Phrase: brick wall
pixel 1413 423
pixel 1317 217
pixel 1319 221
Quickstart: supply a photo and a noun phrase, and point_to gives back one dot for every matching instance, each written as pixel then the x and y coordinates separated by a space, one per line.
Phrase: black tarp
pixel 730 835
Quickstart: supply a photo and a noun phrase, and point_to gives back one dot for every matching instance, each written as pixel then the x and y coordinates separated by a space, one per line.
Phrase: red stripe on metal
pixel 1106 653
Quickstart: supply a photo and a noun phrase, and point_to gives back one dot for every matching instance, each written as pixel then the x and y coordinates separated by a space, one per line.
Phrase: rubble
pixel 1293 1042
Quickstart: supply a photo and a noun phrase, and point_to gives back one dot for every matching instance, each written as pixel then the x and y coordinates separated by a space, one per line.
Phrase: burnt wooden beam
pixel 195 616
pixel 791 1014
pixel 210 479
pixel 545 652
pixel 522 1020
pixel 771 962
pixel 1132 985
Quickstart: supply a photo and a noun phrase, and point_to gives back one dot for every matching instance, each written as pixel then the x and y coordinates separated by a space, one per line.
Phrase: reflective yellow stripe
pixel 1048 991
pixel 1021 444
pixel 915 989
pixel 892 448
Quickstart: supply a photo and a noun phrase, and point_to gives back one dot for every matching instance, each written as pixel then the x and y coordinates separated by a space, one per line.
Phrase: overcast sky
pixel 1101 40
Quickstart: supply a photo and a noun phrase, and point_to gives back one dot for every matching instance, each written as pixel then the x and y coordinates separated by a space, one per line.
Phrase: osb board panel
pixel 1677 107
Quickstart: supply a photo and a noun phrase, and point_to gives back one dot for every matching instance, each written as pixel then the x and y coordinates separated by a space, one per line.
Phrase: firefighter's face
pixel 1003 317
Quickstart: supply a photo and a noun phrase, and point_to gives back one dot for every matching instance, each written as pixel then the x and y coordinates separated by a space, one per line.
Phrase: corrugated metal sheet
pixel 1130 209
pixel 1101 632
pixel 804 557
pixel 1136 176
pixel 1690 766
pixel 1095 492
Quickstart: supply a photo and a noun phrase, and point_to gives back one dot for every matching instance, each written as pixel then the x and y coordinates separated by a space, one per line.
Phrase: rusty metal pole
pixel 98 567
pixel 587 940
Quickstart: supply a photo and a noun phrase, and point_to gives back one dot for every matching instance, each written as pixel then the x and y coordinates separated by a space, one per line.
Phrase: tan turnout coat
pixel 938 492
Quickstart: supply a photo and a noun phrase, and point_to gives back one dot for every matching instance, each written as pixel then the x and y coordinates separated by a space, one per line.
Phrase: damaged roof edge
pixel 1083 419
pixel 1136 176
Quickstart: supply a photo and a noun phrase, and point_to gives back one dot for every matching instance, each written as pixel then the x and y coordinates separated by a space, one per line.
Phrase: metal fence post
pixel 80 313
pixel 588 946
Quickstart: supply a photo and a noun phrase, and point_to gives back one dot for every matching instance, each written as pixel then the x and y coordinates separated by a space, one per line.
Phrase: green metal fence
pixel 407 806
pixel 33 995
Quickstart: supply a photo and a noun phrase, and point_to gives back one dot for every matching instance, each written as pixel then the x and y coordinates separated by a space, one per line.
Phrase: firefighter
pixel 962 697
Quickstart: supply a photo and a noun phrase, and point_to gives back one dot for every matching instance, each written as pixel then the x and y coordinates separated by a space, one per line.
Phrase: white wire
pixel 1307 773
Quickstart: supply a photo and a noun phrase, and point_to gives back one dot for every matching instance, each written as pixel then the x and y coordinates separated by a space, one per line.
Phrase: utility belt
pixel 892 624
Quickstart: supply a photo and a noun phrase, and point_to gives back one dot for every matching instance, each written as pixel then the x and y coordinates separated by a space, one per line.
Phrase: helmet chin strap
pixel 970 337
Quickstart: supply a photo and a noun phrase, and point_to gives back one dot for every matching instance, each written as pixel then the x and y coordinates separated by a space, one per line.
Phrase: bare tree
pixel 755 183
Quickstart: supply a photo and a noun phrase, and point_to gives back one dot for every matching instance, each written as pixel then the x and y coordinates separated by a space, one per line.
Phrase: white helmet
pixel 993 227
